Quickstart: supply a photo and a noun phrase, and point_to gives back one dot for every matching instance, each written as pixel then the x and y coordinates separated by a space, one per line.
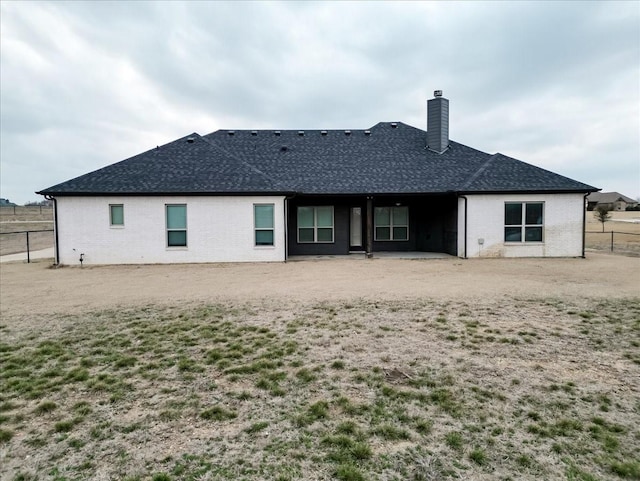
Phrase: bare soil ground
pixel 343 369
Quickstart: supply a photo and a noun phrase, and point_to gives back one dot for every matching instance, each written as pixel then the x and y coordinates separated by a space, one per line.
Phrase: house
pixel 610 201
pixel 265 195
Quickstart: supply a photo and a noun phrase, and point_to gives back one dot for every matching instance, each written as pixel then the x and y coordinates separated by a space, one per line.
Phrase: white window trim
pixel 391 225
pixel 111 224
pixel 272 229
pixel 315 225
pixel 167 230
pixel 524 225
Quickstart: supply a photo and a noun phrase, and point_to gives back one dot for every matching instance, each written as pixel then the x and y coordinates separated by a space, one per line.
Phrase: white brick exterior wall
pixel 562 233
pixel 219 229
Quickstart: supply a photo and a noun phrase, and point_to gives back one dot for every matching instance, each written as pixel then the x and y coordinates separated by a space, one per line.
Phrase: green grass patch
pixel 626 469
pixel 218 413
pixel 257 427
pixel 349 472
pixel 45 407
pixel 5 435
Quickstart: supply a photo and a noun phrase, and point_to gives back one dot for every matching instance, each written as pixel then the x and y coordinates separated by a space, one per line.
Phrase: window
pixel 263 224
pixel 315 224
pixel 523 221
pixel 176 225
pixel 391 223
pixel 116 214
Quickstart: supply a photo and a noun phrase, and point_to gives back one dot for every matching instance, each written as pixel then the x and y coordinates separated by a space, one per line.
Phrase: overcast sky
pixel 84 85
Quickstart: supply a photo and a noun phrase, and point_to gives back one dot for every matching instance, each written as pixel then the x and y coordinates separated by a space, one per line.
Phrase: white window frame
pixel 167 229
pixel 315 225
pixel 272 229
pixel 391 223
pixel 523 223
pixel 111 224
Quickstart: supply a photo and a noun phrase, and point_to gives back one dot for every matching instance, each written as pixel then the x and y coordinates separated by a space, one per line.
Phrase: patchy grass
pixel 387 390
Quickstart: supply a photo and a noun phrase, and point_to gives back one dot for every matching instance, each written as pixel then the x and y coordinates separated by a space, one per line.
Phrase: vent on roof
pixel 300 133
pixel 347 132
pixel 284 148
pixel 231 132
pixel 254 132
pixel 323 132
pixel 367 132
pixel 191 140
pixel 394 125
pixel 277 133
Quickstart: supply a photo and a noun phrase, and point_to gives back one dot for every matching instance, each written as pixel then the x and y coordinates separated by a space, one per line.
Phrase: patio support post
pixel 369 247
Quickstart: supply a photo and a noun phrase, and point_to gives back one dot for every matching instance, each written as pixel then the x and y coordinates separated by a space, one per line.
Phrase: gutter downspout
pixel 465 224
pixel 286 226
pixel 584 225
pixel 369 240
pixel 56 261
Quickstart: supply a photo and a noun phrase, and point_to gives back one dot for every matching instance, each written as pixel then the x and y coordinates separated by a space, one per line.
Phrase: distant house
pixel 265 195
pixel 6 203
pixel 609 200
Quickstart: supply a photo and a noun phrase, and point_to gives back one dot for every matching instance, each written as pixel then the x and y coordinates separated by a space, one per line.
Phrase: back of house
pixel 266 195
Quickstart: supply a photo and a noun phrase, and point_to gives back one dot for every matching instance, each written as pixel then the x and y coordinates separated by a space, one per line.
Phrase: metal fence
pixel 18 242
pixel 614 241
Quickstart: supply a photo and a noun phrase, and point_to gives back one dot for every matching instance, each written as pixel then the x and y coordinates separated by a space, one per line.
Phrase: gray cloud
pixel 88 84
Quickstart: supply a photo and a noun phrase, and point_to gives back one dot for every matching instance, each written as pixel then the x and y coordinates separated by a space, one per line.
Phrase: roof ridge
pixel 235 131
pixel 480 171
pixel 212 143
pixel 396 123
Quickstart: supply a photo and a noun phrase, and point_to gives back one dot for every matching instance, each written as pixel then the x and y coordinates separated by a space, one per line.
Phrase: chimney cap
pixel 437 93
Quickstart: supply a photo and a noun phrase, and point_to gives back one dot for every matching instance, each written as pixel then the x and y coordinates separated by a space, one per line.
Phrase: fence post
pixel 611 241
pixel 28 255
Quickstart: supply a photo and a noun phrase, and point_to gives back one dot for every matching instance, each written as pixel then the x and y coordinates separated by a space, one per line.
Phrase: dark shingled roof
pixel 187 165
pixel 389 158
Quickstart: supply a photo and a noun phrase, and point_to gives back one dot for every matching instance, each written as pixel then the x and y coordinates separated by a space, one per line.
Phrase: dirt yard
pixel 67 289
pixel 340 369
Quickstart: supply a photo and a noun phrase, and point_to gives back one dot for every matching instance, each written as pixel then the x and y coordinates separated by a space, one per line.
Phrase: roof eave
pixel 528 191
pixel 168 193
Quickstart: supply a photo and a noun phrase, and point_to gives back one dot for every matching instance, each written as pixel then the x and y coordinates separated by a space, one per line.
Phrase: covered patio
pixel 409 226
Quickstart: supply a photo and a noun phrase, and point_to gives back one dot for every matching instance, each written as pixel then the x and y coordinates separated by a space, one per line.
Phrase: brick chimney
pixel 438 123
